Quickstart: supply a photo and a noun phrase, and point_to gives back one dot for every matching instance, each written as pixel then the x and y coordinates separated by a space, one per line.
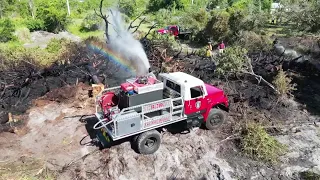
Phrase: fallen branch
pixel 4 90
pixel 18 98
pixel 258 77
pixel 24 98
pixel 66 166
pixel 231 137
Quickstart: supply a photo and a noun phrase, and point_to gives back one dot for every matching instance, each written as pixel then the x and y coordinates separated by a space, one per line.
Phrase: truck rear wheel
pixel 215 119
pixel 148 142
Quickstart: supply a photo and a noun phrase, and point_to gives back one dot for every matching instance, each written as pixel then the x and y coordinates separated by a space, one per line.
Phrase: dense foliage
pixel 90 23
pixel 53 17
pixel 156 5
pixel 213 20
pixel 218 26
pixel 6 30
pixel 232 61
pixel 132 8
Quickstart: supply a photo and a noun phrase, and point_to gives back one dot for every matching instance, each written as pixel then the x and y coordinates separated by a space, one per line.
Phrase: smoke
pixel 280 50
pixel 122 42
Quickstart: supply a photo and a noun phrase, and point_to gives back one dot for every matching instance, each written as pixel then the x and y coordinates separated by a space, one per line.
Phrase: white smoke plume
pixel 281 50
pixel 122 42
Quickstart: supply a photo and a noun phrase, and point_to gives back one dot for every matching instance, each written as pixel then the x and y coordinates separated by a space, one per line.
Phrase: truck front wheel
pixel 215 119
pixel 148 142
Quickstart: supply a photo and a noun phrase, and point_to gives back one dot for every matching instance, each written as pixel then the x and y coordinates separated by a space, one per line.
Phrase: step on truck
pixel 141 106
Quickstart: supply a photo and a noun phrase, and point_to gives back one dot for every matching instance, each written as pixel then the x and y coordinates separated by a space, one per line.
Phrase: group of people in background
pixel 221 48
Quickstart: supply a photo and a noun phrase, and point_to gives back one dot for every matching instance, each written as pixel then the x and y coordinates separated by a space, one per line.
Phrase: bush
pixel 231 61
pixel 53 15
pixel 166 40
pixel 309 175
pixel 56 45
pixel 58 49
pixel 308 22
pixel 244 18
pixel 35 25
pixel 17 54
pixel 237 20
pixel 23 34
pixel 283 83
pixel 132 8
pixel 90 23
pixel 218 27
pixel 212 4
pixel 23 9
pixel 6 30
pixel 253 42
pixel 164 17
pixel 259 145
pixel 156 5
pixel 194 21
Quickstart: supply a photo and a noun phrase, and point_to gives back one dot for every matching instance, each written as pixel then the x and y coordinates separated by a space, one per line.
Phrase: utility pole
pixel 31 5
pixel 68 7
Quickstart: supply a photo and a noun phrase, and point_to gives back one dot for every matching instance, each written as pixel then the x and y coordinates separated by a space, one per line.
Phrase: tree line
pixel 223 18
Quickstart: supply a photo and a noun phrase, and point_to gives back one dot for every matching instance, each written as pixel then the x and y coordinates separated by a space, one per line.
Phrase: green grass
pixel 274 29
pixel 74 28
pixel 11 44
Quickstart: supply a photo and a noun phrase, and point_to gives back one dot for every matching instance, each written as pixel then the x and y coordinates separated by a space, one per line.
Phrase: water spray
pixel 122 42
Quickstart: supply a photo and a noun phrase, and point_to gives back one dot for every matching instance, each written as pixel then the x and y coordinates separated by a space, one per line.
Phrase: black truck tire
pixel 215 119
pixel 148 142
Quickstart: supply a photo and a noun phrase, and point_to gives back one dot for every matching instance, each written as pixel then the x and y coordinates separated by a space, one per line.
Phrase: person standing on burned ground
pixel 221 47
pixel 209 50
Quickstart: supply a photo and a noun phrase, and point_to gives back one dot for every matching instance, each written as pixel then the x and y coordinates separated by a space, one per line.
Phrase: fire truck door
pixel 197 103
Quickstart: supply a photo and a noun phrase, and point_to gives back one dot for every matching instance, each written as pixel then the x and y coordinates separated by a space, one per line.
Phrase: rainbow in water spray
pixel 112 56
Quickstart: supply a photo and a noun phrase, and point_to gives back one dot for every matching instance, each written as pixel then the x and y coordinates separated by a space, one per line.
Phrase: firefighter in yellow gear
pixel 209 50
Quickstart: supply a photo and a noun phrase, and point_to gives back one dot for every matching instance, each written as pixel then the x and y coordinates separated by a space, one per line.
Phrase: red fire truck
pixel 140 106
pixel 176 31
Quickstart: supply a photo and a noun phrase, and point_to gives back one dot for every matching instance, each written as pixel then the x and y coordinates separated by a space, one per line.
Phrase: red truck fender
pixel 221 103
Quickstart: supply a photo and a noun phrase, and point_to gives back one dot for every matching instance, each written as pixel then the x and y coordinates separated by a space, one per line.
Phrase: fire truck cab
pixel 198 96
pixel 142 105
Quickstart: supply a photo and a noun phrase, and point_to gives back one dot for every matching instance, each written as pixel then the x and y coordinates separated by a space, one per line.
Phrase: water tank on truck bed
pixel 140 90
